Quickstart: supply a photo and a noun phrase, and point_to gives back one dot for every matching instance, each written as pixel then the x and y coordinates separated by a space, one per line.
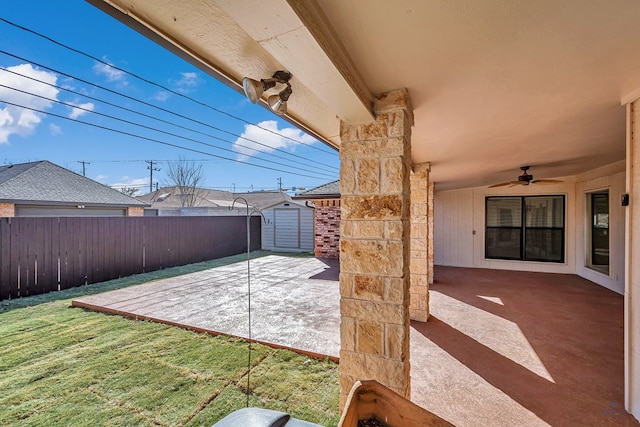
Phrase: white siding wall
pixel 453 228
pixel 290 228
pixel 460 226
pixel 611 178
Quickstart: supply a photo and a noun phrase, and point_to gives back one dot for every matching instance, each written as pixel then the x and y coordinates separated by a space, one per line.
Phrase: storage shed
pixel 289 228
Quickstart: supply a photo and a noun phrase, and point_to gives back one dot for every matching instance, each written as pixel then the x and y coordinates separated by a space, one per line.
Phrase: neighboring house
pixel 289 227
pixel 45 189
pixel 168 201
pixel 326 221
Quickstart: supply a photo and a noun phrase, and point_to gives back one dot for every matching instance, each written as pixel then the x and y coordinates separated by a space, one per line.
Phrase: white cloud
pixel 125 182
pixel 18 120
pixel 84 109
pixel 55 129
pixel 112 74
pixel 161 96
pixel 101 178
pixel 268 134
pixel 187 82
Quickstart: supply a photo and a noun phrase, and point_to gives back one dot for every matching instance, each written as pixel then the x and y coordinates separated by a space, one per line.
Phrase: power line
pixel 80 52
pixel 154 140
pixel 146 127
pixel 156 118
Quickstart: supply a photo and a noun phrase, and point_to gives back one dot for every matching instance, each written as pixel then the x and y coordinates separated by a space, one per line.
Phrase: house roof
pixel 46 183
pixel 494 85
pixel 330 190
pixel 169 198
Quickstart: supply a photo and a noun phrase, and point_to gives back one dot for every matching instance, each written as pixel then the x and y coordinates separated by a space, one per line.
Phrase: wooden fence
pixel 39 255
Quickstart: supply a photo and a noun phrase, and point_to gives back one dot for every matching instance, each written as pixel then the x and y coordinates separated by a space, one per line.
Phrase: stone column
pixel 374 247
pixel 419 278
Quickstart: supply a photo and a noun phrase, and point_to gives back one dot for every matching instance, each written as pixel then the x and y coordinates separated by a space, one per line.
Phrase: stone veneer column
pixel 430 213
pixel 419 266
pixel 374 247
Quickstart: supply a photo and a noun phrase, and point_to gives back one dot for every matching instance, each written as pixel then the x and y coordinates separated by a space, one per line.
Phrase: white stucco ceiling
pixel 495 84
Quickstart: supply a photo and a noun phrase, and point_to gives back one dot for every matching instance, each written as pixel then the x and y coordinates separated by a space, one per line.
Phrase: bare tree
pixel 129 191
pixel 187 176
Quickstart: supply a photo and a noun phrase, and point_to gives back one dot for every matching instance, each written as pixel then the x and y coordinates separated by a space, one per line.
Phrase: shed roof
pixel 330 190
pixel 47 183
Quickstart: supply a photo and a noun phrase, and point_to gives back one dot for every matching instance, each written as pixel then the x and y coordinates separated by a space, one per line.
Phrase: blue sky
pixel 118 158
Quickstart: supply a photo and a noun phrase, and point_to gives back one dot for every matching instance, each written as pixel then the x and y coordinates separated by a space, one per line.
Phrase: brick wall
pixel 7 210
pixel 327 228
pixel 135 211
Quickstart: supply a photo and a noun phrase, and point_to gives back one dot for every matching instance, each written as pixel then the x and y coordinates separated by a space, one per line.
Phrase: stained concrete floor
pixel 500 349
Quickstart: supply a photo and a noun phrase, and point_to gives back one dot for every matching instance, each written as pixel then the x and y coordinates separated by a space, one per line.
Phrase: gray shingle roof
pixel 329 190
pixel 169 197
pixel 45 182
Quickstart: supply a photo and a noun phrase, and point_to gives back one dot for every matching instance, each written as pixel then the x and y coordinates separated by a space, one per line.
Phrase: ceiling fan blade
pixel 514 183
pixel 546 181
pixel 502 184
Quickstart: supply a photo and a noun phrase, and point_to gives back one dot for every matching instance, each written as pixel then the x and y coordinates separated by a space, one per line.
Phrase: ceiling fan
pixel 526 179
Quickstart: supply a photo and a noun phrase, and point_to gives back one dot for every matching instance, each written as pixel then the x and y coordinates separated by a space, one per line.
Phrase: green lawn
pixel 64 366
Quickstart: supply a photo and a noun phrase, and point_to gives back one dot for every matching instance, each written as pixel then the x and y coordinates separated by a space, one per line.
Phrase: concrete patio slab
pixel 294 302
pixel 500 349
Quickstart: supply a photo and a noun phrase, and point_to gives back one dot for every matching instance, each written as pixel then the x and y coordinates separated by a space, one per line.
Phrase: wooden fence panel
pixel 39 255
pixel 6 286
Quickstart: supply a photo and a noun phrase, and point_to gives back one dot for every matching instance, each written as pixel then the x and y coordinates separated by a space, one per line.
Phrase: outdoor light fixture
pixel 254 89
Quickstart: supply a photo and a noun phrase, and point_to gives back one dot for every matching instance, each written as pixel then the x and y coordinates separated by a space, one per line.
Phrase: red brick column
pixel 327 228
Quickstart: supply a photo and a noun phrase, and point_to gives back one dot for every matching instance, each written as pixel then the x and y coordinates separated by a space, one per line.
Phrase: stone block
pixel 364 310
pixel 393 101
pixel 347 176
pixel 393 373
pixel 369 287
pixel 372 257
pixel 375 130
pixel 348 333
pixel 370 334
pixel 396 342
pixel 395 289
pixel 348 132
pixel 391 147
pixel 393 176
pixel 368 176
pixel 393 229
pixel 372 207
pixel 346 284
pixel 368 229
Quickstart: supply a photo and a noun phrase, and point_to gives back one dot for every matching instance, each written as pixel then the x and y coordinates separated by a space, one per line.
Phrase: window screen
pixel 525 228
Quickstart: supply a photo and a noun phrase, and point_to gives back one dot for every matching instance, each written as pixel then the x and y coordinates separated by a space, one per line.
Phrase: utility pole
pixel 279 184
pixel 84 167
pixel 151 169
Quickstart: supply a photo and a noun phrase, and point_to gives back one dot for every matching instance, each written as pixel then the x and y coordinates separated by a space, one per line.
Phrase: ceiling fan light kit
pixel 525 179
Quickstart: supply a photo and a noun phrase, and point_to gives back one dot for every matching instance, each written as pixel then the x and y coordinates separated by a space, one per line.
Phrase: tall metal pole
pixel 151 169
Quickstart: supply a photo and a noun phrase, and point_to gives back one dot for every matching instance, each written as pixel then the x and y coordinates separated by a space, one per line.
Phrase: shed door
pixel 286 228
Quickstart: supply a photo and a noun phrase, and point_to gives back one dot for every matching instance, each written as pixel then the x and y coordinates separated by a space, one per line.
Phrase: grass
pixel 62 366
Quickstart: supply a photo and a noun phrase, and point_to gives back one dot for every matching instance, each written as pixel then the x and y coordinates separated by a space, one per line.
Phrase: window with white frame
pixel 525 228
